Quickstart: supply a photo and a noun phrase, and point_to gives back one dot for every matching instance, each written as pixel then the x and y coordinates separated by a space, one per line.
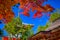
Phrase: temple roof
pixel 52 33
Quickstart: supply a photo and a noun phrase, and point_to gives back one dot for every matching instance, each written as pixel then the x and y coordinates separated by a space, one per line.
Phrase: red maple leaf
pixel 37 14
pixel 35 5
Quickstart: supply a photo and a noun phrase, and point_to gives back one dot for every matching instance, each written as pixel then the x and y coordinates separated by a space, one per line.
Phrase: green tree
pixel 27 32
pixel 43 28
pixel 54 16
pixel 15 27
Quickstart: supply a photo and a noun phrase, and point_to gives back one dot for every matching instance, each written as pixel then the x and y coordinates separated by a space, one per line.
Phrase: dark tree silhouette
pixel 1 32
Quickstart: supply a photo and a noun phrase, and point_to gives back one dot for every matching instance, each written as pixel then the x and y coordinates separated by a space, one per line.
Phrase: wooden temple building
pixel 51 33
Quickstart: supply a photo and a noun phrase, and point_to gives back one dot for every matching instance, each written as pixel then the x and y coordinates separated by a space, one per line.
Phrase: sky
pixel 29 20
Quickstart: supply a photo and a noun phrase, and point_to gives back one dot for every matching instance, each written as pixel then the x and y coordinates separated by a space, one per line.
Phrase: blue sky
pixel 38 21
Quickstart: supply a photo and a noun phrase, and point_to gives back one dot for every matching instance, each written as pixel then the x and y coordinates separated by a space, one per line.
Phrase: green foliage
pixel 42 28
pixel 13 27
pixel 16 27
pixel 27 31
pixel 54 16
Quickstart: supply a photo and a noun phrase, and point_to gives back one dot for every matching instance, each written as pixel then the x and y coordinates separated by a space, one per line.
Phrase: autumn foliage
pixel 6 13
pixel 35 5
